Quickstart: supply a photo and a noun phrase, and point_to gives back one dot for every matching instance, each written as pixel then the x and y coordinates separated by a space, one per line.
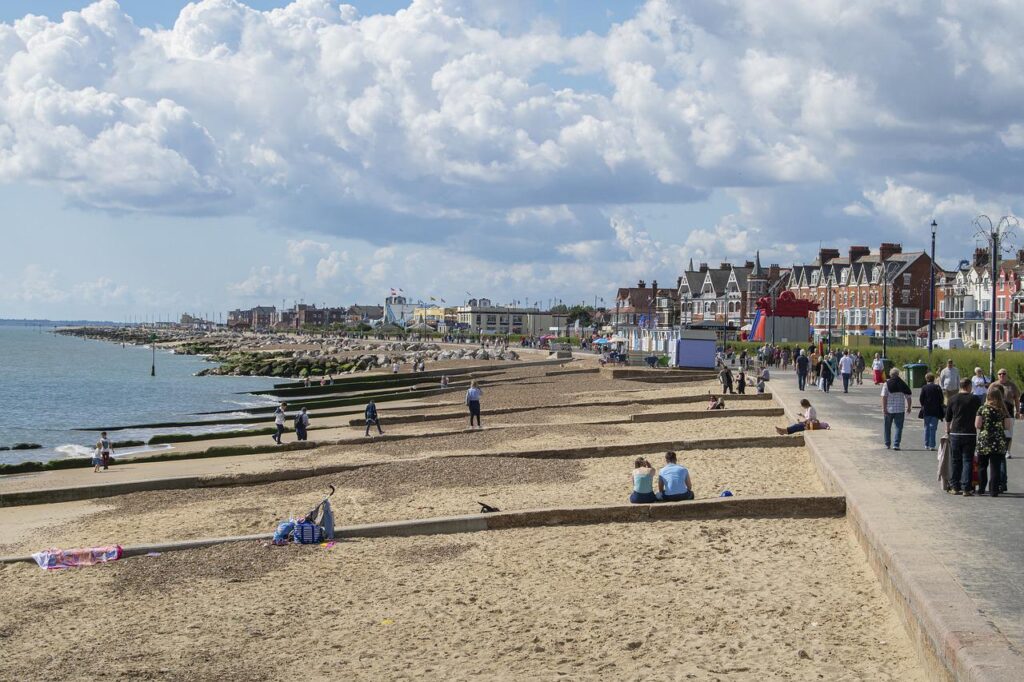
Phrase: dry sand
pixel 388 492
pixel 739 599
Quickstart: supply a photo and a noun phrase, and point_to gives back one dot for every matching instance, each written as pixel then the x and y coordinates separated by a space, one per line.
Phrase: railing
pixel 960 314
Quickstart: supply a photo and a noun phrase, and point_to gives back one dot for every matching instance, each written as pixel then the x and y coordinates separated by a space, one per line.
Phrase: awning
pixel 601 341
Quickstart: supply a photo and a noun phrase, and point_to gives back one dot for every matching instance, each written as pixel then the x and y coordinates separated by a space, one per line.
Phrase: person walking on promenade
pixel 992 422
pixel 104 451
pixel 372 418
pixel 878 367
pixel 846 364
pixel 896 402
pixel 961 411
pixel 932 409
pixel 473 396
pixel 279 422
pixel 827 374
pixel 979 383
pixel 949 380
pixel 301 424
pixel 1013 398
pixel 815 366
pixel 803 365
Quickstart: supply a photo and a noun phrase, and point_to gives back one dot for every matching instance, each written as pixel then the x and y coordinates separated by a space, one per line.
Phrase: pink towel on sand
pixel 54 559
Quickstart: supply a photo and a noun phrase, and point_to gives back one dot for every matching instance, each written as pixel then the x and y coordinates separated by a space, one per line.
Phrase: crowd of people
pixel 978 412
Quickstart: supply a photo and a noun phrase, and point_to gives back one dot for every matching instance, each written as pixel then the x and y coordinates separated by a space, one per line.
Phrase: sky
pixel 167 157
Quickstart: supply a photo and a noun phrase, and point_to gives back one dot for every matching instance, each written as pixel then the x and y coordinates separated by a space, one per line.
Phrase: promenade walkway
pixel 955 562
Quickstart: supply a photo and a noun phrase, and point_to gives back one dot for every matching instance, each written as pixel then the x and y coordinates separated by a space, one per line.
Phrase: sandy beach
pixel 711 600
pixel 737 599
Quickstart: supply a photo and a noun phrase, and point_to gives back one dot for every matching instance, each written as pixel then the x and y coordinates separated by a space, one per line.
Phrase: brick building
pixel 859 291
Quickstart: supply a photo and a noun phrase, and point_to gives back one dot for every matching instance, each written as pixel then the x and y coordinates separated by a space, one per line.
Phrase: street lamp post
pixel 885 307
pixel 997 234
pixel 931 299
pixel 828 313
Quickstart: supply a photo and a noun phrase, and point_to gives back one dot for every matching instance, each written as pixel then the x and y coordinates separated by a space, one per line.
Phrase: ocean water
pixel 51 386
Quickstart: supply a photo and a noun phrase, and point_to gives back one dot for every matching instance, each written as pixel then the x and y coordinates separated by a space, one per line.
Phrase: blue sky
pixel 161 157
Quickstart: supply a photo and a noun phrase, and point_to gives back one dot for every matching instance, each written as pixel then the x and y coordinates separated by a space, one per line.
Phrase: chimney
pixel 748 264
pixel 1020 255
pixel 703 267
pixel 724 265
pixel 641 284
pixel 825 255
pixel 773 271
pixel 679 281
pixel 980 257
pixel 858 252
pixel 887 250
pixel 654 285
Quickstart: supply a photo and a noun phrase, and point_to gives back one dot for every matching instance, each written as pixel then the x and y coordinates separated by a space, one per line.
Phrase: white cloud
pixel 267 284
pixel 1013 136
pixel 102 291
pixel 857 210
pixel 297 249
pixel 330 267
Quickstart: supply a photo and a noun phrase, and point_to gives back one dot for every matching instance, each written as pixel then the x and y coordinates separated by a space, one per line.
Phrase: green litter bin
pixel 915 374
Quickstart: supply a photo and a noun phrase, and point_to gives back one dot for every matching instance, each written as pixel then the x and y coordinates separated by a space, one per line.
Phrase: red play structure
pixel 791 317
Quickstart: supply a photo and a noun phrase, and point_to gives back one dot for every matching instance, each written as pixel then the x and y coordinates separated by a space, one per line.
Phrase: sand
pixel 742 599
pixel 388 492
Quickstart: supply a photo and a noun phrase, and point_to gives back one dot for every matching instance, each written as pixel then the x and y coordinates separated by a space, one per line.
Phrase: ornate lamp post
pixel 997 235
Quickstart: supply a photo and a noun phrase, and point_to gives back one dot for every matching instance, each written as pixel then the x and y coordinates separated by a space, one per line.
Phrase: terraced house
pixel 862 291
pixel 725 297
pixel 966 295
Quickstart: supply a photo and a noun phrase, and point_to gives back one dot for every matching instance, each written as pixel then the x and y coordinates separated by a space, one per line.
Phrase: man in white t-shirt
pixel 949 380
pixel 846 369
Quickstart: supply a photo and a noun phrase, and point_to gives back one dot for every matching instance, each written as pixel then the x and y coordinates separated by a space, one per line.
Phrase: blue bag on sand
pixel 284 529
pixel 726 493
pixel 307 533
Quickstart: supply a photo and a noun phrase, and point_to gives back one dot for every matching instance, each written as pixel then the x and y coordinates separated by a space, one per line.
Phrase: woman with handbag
pixel 992 423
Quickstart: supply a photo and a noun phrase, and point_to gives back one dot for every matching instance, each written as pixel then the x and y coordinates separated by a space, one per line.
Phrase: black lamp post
pixel 931 303
pixel 885 306
pixel 994 233
pixel 828 313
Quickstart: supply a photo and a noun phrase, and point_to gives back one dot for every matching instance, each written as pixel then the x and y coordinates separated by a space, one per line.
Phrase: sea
pixel 52 386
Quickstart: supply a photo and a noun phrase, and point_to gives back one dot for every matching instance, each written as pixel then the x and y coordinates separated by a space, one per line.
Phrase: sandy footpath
pixel 438 487
pixel 737 599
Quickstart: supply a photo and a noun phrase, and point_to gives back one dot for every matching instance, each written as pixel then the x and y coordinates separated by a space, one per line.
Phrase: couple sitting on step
pixel 673 482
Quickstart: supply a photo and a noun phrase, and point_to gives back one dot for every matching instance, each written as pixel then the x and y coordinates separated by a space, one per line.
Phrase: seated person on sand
pixel 674 481
pixel 643 482
pixel 716 403
pixel 808 421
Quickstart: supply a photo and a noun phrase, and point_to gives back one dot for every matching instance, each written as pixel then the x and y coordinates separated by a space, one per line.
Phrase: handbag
pixel 920 413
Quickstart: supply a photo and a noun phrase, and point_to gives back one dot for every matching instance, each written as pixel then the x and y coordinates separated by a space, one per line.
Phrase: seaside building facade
pixel 480 316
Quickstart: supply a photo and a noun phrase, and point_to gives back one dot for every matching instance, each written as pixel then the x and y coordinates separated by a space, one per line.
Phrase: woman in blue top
pixel 643 482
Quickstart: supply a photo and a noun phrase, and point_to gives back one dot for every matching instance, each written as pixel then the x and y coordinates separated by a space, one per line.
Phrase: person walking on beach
pixel 932 409
pixel 803 365
pixel 473 396
pixel 878 367
pixel 674 481
pixel 961 410
pixel 992 422
pixel 741 382
pixel 301 424
pixel 949 380
pixel 725 377
pixel 372 418
pixel 104 451
pixel 279 418
pixel 846 370
pixel 896 402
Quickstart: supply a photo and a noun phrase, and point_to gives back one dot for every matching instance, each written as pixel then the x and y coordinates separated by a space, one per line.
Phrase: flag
pixel 401 291
pixel 394 293
pixel 433 299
